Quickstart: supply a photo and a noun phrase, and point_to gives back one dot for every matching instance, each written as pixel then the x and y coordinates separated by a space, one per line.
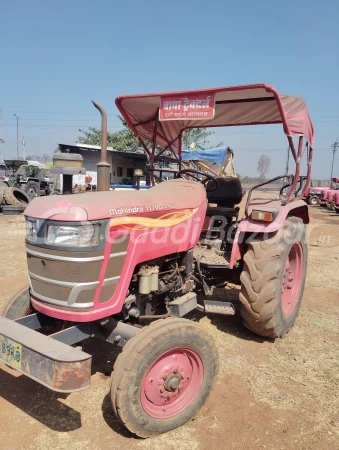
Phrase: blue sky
pixel 57 56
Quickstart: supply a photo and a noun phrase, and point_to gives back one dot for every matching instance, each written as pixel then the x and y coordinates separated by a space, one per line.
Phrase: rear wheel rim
pixel 292 278
pixel 172 383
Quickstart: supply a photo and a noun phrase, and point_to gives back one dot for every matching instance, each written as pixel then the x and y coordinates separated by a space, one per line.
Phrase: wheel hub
pixel 172 383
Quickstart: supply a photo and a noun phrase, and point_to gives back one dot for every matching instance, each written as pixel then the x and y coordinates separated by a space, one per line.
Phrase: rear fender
pixel 297 208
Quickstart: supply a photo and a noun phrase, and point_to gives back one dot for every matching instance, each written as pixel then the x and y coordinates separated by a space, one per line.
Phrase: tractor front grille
pixel 70 280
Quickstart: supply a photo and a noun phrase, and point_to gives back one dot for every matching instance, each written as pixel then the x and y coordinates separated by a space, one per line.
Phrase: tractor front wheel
pixel 32 189
pixel 273 280
pixel 163 376
pixel 19 305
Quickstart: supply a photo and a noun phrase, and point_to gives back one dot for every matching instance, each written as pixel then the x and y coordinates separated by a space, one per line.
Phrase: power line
pixel 59 113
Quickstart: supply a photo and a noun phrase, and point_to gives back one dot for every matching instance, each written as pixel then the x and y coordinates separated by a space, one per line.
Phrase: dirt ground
pixel 269 395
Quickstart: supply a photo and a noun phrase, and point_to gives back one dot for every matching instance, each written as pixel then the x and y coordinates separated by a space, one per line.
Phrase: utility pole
pixel 334 149
pixel 1 140
pixel 23 148
pixel 17 136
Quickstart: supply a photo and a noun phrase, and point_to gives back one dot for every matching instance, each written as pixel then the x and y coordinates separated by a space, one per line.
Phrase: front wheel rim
pixel 292 278
pixel 172 383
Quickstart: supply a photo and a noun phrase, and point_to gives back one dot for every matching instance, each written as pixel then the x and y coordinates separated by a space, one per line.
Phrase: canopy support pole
pixel 309 168
pixel 180 150
pixel 288 160
pixel 152 155
pixel 297 168
pixel 292 147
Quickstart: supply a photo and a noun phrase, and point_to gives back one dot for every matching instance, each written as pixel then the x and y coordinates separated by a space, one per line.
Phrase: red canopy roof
pixel 255 104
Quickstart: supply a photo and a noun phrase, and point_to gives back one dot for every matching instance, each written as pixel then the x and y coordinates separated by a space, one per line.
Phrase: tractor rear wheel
pixel 163 376
pixel 273 280
pixel 16 197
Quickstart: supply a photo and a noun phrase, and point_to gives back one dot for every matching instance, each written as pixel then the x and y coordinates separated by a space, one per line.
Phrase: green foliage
pixel 124 139
pixel 199 137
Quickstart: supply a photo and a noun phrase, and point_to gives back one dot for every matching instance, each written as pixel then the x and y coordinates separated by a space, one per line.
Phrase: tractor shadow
pixel 104 356
pixel 44 405
pixel 232 325
pixel 113 422
pixel 38 402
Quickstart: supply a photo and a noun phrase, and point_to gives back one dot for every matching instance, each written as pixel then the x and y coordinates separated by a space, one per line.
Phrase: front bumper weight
pixel 51 363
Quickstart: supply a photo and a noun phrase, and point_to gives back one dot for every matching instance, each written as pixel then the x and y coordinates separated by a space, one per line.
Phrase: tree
pixel 45 158
pixel 197 137
pixel 264 164
pixel 125 139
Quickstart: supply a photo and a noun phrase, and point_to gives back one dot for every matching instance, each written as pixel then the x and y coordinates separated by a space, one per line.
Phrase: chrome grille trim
pixel 60 283
pixel 66 258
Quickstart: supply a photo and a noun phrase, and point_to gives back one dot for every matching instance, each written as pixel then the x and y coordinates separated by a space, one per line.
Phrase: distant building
pixel 123 163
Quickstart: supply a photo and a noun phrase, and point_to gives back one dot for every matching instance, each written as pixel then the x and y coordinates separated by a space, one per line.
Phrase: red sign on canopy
pixel 192 106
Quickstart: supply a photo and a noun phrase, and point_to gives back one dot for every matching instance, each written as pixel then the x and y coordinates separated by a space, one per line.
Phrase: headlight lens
pixel 31 231
pixel 73 235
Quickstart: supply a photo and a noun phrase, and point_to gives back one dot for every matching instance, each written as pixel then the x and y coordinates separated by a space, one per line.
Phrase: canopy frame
pixel 141 113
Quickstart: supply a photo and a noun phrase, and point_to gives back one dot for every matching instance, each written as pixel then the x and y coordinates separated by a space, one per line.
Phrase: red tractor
pixel 330 199
pixel 323 198
pixel 126 267
pixel 336 202
pixel 326 196
pixel 314 194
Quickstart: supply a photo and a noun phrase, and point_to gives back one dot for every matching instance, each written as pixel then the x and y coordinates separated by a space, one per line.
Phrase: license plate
pixel 10 352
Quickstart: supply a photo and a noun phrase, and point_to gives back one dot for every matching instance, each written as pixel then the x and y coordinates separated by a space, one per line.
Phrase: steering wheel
pixel 207 177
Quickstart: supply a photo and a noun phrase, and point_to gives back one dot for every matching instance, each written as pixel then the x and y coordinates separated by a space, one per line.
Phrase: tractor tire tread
pixel 10 199
pixel 262 264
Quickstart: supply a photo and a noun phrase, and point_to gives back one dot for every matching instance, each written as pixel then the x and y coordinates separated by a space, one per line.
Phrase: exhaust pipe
pixel 103 166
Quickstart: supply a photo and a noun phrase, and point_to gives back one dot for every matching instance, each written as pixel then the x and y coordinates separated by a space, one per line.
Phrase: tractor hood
pixel 167 196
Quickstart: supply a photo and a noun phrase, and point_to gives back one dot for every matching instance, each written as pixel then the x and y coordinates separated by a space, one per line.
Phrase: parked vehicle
pixel 314 193
pixel 330 199
pixel 106 264
pixel 323 198
pixel 34 183
pixel 336 202
pixel 36 186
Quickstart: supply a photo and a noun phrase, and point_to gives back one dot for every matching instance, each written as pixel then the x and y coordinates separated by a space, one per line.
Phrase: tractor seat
pixel 228 194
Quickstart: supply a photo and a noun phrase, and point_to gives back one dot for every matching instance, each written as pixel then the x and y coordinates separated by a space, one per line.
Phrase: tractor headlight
pixel 31 231
pixel 73 235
